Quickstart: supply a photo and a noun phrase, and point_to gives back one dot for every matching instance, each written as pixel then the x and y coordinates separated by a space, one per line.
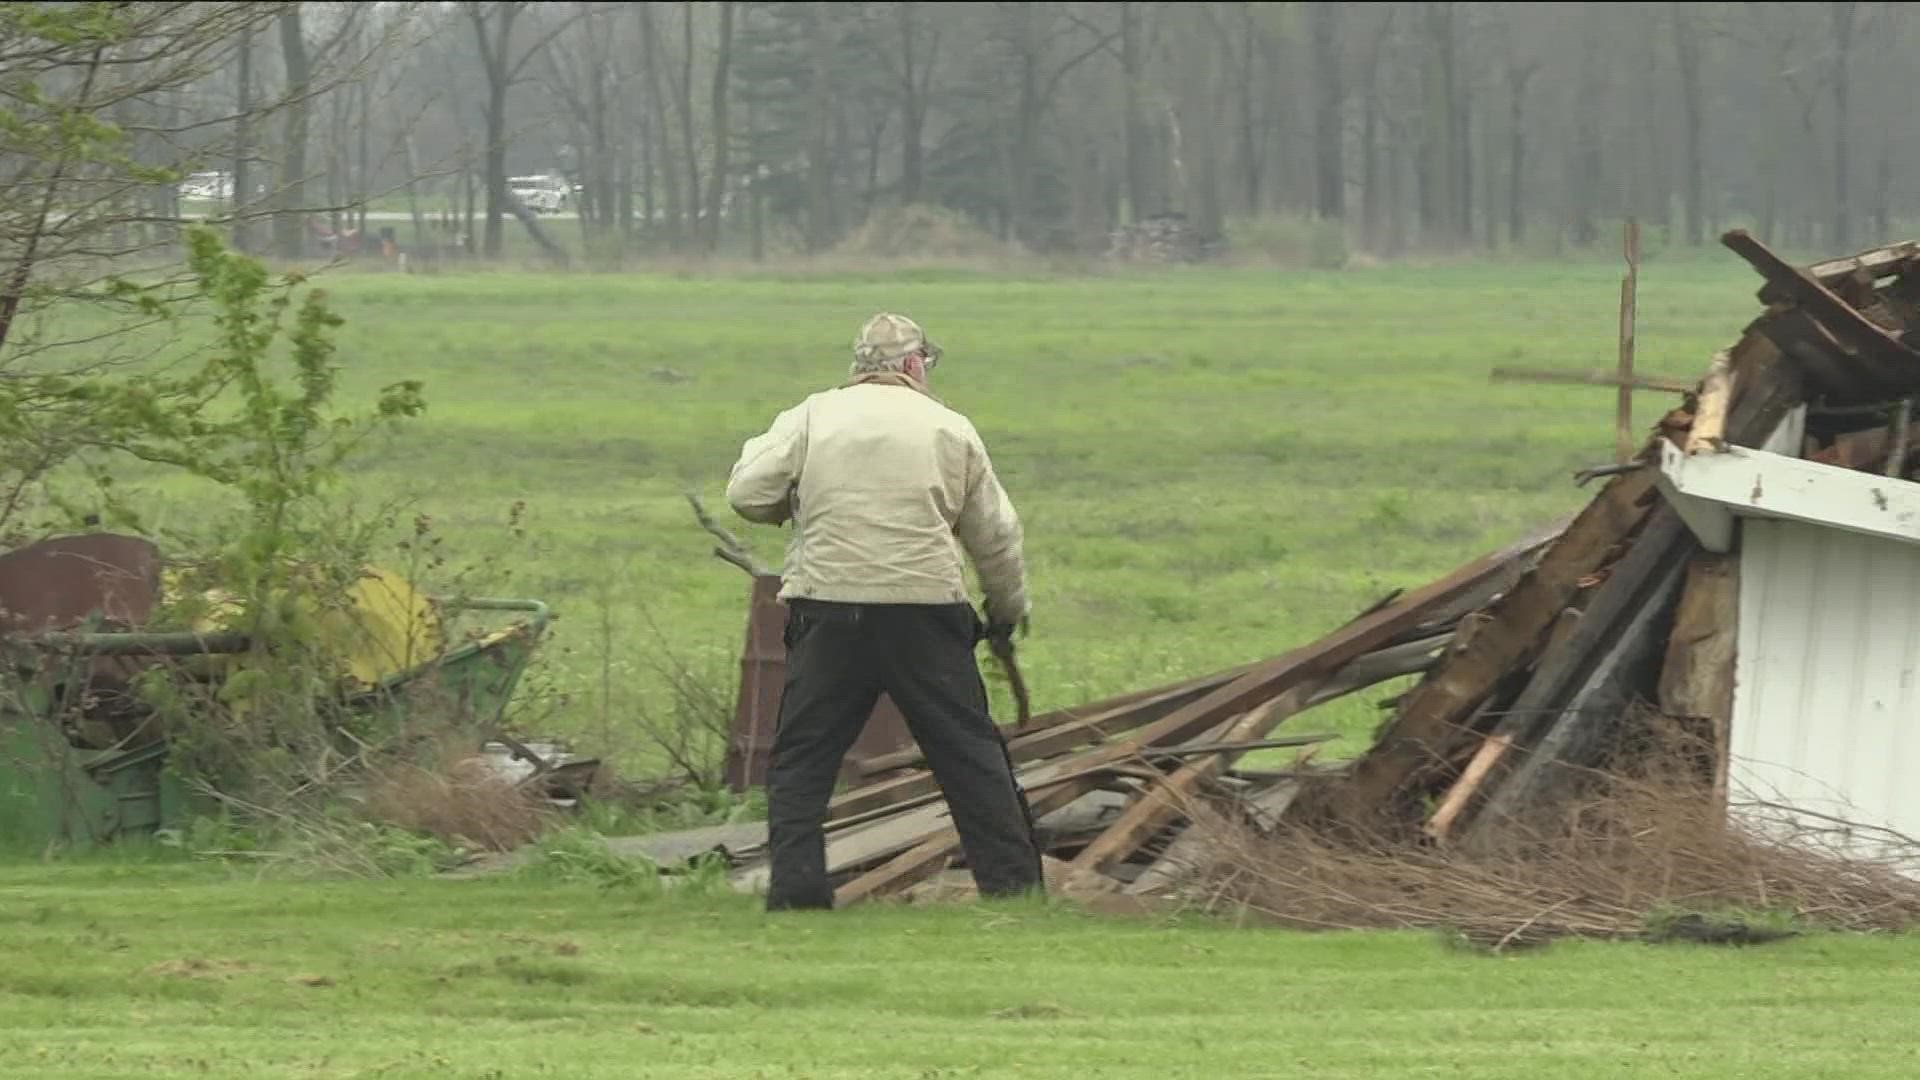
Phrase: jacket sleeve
pixel 760 488
pixel 990 531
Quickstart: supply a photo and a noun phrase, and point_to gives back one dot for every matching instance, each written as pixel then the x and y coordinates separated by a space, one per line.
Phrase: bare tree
pixel 1689 60
pixel 1330 174
pixel 493 26
pixel 717 175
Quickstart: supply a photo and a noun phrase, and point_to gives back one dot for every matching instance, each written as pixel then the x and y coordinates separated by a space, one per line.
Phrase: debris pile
pixel 1165 238
pixel 1542 664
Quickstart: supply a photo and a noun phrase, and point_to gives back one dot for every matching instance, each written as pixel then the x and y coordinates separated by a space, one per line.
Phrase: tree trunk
pixel 1132 71
pixel 1883 197
pixel 755 223
pixel 623 187
pixel 1842 16
pixel 363 184
pixel 1517 79
pixel 289 220
pixel 413 195
pixel 1437 173
pixel 336 168
pixel 1372 205
pixel 1252 145
pixel 913 108
pixel 243 146
pixel 820 143
pixel 1330 181
pixel 496 157
pixel 684 103
pixel 1463 143
pixel 1686 47
pixel 1026 127
pixel 718 179
pixel 495 49
pixel 660 153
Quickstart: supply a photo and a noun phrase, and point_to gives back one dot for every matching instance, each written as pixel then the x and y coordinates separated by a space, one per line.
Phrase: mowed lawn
pixel 1213 465
pixel 171 971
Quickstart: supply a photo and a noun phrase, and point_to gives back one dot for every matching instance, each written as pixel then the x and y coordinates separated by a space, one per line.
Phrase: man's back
pixel 887 489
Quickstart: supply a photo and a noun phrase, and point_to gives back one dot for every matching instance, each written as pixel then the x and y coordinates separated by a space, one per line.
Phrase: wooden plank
pixel 1392 662
pixel 1876 263
pixel 1623 410
pixel 1897 439
pixel 1163 803
pixel 1665 383
pixel 1840 318
pixel 1403 658
pixel 1193 847
pixel 1709 430
pixel 1267 681
pixel 1064 729
pixel 932 853
pixel 1827 364
pixel 1463 790
pixel 1577 734
pixel 1696 678
pixel 1562 669
pixel 1427 726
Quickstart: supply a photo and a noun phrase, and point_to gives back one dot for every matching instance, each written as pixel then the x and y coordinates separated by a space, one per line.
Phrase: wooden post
pixel 1624 420
pixel 1897 454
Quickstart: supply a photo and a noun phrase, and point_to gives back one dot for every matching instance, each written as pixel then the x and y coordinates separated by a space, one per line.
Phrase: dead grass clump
pixel 464 804
pixel 1632 856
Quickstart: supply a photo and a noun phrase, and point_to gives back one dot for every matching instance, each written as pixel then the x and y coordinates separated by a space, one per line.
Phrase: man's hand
pixel 1003 631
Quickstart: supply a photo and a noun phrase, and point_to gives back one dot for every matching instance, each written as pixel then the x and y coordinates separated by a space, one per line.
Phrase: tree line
pixel 743 126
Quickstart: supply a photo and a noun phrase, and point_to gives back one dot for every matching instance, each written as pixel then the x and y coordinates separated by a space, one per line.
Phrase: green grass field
pixel 1214 466
pixel 174 971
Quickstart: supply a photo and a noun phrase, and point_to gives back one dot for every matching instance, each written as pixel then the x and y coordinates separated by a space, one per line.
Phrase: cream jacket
pixel 886 489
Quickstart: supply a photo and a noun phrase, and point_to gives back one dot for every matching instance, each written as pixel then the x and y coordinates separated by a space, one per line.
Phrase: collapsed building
pixel 1746 577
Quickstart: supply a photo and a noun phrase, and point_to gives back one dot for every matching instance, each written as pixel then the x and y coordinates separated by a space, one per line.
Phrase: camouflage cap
pixel 886 339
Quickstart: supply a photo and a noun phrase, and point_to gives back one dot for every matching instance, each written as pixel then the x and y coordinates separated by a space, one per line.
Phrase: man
pixel 886 488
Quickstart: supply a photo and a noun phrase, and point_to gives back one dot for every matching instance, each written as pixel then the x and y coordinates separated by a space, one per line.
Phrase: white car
pixel 540 194
pixel 207 185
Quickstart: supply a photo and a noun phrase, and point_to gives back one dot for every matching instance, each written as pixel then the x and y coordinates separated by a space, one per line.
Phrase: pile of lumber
pixel 1533 660
pixel 1626 615
pixel 1109 782
pixel 1166 238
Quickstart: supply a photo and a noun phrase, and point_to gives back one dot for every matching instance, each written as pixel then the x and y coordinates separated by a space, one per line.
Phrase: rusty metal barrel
pixel 763 671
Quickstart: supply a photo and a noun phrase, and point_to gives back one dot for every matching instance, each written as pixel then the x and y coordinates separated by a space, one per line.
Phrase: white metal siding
pixel 1825 705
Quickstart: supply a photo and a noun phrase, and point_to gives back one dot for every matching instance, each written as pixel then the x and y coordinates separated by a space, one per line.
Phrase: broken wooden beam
pixel 1430 734
pixel 1709 431
pixel 1302 667
pixel 1563 670
pixel 1195 846
pixel 1696 678
pixel 1576 734
pixel 1441 823
pixel 1427 726
pixel 1894 359
pixel 920 786
pixel 1163 803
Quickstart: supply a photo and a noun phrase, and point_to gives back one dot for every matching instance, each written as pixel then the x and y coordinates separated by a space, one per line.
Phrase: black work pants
pixel 839 659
